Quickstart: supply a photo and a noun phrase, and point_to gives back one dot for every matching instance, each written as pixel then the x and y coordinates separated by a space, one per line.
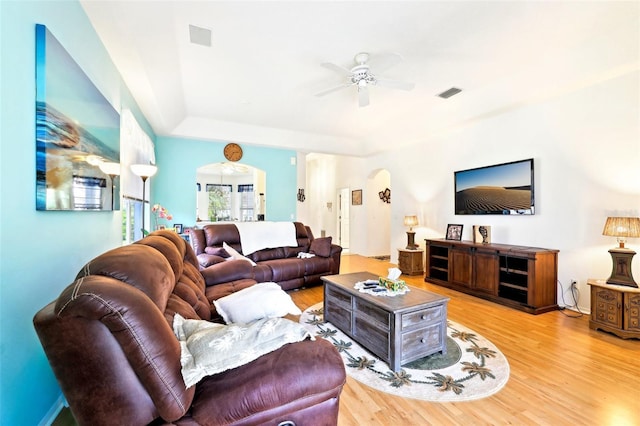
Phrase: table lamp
pixel 411 221
pixel 622 228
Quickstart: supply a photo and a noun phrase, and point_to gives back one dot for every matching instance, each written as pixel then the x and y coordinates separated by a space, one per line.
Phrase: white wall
pixel 586 147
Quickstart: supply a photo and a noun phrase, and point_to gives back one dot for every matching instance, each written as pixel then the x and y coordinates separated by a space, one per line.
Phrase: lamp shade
pixel 622 228
pixel 110 168
pixel 411 220
pixel 626 227
pixel 144 170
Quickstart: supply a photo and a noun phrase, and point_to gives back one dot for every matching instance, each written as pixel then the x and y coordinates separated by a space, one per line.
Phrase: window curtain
pixel 136 147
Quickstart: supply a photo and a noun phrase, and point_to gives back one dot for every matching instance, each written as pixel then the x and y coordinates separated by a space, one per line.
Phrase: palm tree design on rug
pixel 444 383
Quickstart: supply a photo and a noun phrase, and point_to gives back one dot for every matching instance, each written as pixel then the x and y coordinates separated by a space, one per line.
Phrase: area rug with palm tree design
pixel 472 368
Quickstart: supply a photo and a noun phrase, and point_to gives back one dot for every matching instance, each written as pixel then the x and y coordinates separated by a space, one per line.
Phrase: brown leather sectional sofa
pixel 279 264
pixel 109 340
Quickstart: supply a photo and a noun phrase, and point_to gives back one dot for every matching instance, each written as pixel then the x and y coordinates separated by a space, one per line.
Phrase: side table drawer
pixel 423 341
pixel 423 316
pixel 607 304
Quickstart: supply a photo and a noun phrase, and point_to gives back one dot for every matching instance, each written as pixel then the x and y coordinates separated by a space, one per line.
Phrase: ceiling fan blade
pixel 333 89
pixel 380 63
pixel 395 84
pixel 336 68
pixel 363 96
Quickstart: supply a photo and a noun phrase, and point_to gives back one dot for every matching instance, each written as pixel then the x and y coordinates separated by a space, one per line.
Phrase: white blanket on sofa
pixel 256 236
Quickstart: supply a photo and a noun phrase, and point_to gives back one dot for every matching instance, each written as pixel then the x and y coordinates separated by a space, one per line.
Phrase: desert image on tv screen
pixel 501 189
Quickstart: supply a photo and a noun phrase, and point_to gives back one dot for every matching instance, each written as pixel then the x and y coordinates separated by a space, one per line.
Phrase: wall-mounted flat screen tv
pixel 505 189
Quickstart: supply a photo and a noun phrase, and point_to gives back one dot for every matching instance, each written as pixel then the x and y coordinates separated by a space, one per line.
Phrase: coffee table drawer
pixel 338 316
pixel 372 337
pixel 422 342
pixel 338 297
pixel 423 316
pixel 380 316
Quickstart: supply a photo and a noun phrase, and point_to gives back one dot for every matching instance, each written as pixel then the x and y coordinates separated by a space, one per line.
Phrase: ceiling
pixel 255 84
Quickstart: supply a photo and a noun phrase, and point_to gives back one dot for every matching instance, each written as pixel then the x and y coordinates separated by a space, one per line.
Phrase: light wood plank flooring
pixel 562 373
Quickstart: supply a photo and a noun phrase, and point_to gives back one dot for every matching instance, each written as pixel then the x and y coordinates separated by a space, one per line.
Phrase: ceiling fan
pixel 361 75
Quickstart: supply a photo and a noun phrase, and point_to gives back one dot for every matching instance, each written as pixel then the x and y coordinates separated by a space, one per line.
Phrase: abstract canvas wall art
pixel 76 130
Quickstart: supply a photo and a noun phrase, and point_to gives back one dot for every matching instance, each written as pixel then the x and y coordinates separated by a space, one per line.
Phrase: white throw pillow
pixel 263 300
pixel 233 254
pixel 207 348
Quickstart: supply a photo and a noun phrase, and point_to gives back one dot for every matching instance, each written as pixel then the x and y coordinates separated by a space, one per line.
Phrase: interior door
pixel 343 218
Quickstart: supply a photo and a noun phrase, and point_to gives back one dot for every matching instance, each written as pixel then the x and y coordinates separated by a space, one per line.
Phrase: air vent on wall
pixel 450 92
pixel 199 35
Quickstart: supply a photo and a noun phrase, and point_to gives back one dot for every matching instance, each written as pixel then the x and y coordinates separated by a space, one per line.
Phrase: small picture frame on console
pixel 481 234
pixel 454 232
pixel 178 227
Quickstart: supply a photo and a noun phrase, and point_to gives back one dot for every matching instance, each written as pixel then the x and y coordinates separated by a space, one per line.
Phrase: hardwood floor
pixel 561 371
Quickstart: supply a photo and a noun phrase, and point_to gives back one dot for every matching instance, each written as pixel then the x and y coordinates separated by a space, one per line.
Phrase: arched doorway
pixel 230 192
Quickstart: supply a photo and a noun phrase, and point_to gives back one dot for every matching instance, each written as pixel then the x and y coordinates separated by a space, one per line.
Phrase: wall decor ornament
pixel 301 196
pixel 481 234
pixel 77 130
pixel 385 195
pixel 356 197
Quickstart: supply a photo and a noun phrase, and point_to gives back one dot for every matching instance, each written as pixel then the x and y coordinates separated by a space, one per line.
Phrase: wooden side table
pixel 410 261
pixel 615 308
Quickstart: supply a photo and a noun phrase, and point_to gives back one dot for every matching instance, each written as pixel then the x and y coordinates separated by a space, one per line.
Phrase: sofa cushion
pixel 264 300
pixel 321 247
pixel 301 374
pixel 217 251
pixel 208 348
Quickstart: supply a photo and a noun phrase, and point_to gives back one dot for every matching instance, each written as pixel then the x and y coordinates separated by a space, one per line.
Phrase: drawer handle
pixel 422 341
pixel 423 316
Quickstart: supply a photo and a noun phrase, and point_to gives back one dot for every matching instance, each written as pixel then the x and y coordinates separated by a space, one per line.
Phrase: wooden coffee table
pixel 398 329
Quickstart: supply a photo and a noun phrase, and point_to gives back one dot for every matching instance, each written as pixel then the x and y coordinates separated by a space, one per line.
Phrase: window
pixel 247 203
pixel 219 201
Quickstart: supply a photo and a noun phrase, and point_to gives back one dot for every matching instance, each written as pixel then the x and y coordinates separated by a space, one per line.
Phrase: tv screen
pixel 504 189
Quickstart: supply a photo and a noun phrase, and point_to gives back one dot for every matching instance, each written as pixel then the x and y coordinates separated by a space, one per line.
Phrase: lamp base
pixel 411 245
pixel 621 271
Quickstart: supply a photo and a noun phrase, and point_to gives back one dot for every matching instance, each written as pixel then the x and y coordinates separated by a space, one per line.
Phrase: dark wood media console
pixel 520 277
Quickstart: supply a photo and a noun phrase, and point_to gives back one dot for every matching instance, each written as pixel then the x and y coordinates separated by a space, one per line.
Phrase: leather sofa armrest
pixel 230 270
pixel 335 254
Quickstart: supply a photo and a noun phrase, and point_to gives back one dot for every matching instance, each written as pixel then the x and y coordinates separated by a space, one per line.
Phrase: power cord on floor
pixel 575 295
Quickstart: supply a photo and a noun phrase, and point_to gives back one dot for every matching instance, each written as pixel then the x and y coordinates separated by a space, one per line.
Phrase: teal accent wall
pixel 40 251
pixel 174 186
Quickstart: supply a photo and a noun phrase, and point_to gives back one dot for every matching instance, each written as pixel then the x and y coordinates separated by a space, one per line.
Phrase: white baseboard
pixel 53 412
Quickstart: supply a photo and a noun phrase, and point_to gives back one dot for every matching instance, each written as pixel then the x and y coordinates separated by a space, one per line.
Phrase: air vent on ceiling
pixel 450 92
pixel 199 35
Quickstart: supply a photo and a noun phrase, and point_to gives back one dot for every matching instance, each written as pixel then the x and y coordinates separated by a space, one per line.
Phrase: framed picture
pixel 178 227
pixel 454 232
pixel 356 197
pixel 160 227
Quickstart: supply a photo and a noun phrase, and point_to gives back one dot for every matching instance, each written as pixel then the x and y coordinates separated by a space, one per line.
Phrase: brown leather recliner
pixel 109 340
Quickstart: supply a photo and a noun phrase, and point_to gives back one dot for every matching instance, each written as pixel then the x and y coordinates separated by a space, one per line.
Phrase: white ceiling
pixel 256 83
